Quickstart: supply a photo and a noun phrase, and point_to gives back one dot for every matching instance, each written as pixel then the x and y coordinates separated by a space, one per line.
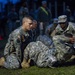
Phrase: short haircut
pixel 26 17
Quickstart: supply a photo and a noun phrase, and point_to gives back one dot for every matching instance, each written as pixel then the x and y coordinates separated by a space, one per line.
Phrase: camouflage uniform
pixel 40 54
pixel 13 51
pixel 64 50
pixel 46 40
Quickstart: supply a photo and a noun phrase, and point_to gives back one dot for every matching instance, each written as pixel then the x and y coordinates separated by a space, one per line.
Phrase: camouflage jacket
pixel 70 30
pixel 17 42
pixel 63 50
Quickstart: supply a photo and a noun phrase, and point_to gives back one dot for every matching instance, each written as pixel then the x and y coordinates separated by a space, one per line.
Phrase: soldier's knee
pixel 12 62
pixel 15 66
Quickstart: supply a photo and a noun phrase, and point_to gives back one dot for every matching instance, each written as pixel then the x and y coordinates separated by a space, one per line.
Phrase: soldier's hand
pixel 72 40
pixel 25 64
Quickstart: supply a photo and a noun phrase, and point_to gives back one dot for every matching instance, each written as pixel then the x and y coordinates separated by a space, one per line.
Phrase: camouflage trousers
pixel 11 62
pixel 40 54
pixel 63 50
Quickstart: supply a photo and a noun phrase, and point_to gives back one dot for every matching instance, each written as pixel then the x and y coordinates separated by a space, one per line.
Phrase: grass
pixel 40 71
pixel 68 69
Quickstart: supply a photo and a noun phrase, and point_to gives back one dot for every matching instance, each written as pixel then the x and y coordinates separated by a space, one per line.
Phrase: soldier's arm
pixel 52 28
pixel 64 38
pixel 17 44
pixel 59 35
pixel 8 45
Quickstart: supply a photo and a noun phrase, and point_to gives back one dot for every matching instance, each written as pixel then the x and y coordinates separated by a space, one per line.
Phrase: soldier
pixel 18 40
pixel 50 30
pixel 64 39
pixel 44 16
pixel 40 54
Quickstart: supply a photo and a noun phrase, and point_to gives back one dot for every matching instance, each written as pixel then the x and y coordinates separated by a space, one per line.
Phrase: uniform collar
pixel 63 30
pixel 24 32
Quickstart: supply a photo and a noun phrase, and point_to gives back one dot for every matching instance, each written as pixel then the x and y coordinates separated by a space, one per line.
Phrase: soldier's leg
pixel 31 53
pixel 11 62
pixel 45 59
pixel 39 53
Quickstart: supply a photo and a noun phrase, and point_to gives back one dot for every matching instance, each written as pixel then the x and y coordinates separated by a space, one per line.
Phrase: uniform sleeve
pixel 6 50
pixel 8 45
pixel 64 38
pixel 58 31
pixel 17 44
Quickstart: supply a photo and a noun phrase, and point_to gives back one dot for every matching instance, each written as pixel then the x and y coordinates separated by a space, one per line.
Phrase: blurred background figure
pixel 34 30
pixel 50 30
pixel 12 17
pixel 23 11
pixel 44 15
pixel 68 13
pixel 8 6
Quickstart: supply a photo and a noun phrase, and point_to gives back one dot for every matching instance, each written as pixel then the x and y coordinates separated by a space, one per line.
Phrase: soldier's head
pixel 34 24
pixel 55 21
pixel 44 4
pixel 27 23
pixel 62 20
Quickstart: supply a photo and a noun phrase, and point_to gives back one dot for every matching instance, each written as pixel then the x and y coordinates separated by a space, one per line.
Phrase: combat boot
pixel 2 60
pixel 25 64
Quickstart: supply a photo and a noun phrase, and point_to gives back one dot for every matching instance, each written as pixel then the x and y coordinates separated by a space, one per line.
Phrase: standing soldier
pixel 44 15
pixel 18 40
